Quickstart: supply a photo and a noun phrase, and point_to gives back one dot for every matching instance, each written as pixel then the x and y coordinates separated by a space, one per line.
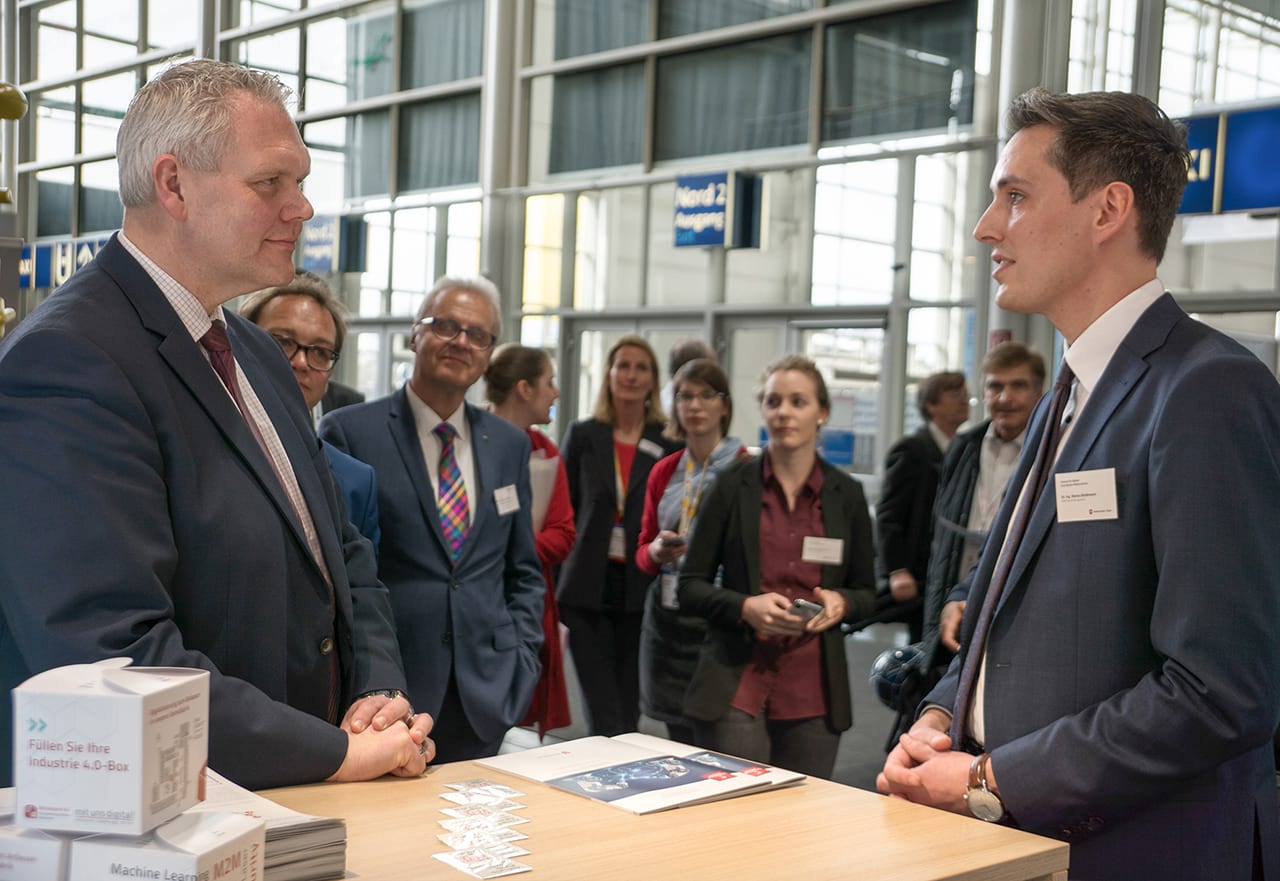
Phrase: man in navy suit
pixel 458 552
pixel 158 509
pixel 309 323
pixel 1128 691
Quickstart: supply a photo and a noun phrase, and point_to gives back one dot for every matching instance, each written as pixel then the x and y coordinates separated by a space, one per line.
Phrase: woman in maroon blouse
pixel 771 683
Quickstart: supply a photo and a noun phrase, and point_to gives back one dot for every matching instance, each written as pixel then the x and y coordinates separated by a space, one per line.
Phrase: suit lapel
pixel 482 457
pixel 404 432
pixel 1122 374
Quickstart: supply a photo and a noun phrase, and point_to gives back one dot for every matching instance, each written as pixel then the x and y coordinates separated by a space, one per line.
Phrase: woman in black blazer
pixel 601 590
pixel 771 684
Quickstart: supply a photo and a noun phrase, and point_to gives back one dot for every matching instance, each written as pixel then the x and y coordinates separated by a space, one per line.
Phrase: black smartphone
pixel 678 541
pixel 805 609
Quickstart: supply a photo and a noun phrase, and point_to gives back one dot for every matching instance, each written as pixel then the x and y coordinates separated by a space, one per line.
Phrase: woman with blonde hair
pixel 601 590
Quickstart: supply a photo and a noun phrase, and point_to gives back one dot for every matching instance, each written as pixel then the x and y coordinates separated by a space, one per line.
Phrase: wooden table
pixel 812 831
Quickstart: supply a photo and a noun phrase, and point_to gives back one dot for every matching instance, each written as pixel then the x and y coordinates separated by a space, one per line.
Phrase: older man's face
pixel 1009 396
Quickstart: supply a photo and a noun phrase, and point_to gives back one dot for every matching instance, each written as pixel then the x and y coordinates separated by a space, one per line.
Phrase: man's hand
pixel 923 768
pixel 378 709
pixel 902 586
pixel 949 624
pixel 394 750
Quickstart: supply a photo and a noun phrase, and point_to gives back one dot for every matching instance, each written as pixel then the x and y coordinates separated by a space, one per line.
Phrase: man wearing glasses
pixel 457 553
pixel 309 323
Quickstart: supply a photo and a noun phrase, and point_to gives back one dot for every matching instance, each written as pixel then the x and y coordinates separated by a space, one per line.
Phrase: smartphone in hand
pixel 805 609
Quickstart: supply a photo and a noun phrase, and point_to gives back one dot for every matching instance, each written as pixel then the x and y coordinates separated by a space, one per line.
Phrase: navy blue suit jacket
pixel 1132 688
pixel 359 487
pixel 480 617
pixel 144 521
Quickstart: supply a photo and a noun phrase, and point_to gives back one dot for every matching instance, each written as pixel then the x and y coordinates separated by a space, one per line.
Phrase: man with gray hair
pixel 457 552
pixel 173 501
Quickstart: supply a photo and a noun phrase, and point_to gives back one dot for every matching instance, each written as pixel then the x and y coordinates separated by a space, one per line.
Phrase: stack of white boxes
pixel 107 757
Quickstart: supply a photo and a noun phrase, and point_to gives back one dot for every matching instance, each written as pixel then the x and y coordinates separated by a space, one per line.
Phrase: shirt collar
pixel 427 420
pixel 813 483
pixel 939 436
pixel 993 439
pixel 194 317
pixel 1090 354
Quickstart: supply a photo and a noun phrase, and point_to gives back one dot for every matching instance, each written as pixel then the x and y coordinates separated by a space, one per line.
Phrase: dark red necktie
pixel 1036 479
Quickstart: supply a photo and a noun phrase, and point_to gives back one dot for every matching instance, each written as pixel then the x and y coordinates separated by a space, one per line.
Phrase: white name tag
pixel 650 449
pixel 822 550
pixel 1086 495
pixel 618 544
pixel 669 582
pixel 506 499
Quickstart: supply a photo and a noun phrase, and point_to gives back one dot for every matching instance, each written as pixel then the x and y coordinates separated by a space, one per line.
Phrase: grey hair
pixel 475 284
pixel 187 110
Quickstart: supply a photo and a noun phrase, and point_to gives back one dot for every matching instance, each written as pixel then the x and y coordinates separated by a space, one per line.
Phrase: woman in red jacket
pixel 521 385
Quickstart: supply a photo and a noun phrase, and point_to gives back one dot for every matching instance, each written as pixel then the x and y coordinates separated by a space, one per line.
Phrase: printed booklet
pixel 640 773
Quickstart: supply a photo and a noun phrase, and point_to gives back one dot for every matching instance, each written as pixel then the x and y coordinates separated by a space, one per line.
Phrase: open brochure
pixel 640 773
pixel 300 847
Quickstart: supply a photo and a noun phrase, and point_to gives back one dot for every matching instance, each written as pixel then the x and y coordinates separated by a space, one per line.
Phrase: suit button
pixel 326 645
pixel 447 638
pixel 455 584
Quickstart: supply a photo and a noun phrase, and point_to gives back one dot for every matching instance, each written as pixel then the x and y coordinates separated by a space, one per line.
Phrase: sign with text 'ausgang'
pixel 721 209
pixel 1233 165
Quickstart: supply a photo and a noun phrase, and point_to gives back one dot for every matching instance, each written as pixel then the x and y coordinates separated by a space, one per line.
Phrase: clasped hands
pixel 770 614
pixel 923 768
pixel 384 737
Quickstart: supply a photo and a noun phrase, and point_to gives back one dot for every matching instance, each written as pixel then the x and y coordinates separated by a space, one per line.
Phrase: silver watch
pixel 983 803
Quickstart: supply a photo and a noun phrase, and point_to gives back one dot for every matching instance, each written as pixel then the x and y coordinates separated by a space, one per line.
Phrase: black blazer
pixel 727 533
pixel 338 395
pixel 904 514
pixel 587 450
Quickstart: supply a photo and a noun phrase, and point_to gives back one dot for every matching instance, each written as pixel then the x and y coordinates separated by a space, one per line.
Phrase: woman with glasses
pixel 670 641
pixel 780 555
pixel 601 590
pixel 520 383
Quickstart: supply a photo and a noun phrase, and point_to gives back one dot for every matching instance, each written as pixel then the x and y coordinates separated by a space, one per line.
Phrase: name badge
pixel 506 499
pixel 822 550
pixel 669 582
pixel 650 449
pixel 618 544
pixel 1086 495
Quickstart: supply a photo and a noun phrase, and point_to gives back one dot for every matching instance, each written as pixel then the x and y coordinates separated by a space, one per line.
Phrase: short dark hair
pixel 1012 355
pixel 933 387
pixel 685 351
pixel 305 284
pixel 710 374
pixel 1102 137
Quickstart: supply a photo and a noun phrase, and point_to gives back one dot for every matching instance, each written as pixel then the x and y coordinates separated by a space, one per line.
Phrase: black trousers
pixel 606 654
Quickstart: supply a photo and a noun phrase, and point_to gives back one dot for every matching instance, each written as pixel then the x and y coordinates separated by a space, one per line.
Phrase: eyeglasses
pixel 317 357
pixel 448 329
pixel 705 397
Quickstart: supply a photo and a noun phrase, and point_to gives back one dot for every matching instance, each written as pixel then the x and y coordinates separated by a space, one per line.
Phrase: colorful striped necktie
pixel 452 499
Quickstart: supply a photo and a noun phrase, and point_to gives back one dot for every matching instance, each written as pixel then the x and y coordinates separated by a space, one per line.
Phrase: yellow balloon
pixel 13 103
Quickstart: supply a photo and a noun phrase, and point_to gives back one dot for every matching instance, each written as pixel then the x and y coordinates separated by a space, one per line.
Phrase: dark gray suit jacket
pixel 1132 689
pixel 146 522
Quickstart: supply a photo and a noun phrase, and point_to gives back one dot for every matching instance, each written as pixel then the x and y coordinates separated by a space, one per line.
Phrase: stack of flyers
pixel 479 829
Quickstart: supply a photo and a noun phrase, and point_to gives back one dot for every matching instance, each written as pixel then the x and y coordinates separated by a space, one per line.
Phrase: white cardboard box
pixel 109 748
pixel 32 855
pixel 197 846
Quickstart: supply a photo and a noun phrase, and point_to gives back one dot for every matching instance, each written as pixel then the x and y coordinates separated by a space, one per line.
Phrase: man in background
pixel 310 325
pixel 971 486
pixel 161 467
pixel 458 552
pixel 904 512
pixel 681 354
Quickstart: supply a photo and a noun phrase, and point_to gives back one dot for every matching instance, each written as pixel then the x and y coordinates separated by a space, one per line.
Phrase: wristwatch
pixel 983 803
pixel 392 693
